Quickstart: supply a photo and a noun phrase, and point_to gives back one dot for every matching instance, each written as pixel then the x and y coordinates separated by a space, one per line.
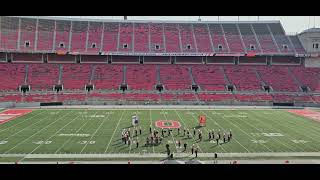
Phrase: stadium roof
pixel 145 21
pixel 311 30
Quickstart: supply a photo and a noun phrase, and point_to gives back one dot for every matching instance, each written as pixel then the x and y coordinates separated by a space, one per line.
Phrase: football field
pixel 98 131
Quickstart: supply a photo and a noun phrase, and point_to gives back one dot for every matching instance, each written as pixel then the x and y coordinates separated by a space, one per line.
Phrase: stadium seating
pixel 253 97
pixel 75 76
pixel 175 77
pixel 45 35
pixel 88 37
pixel 79 36
pixel 178 97
pixel 187 40
pixel 233 38
pixel 249 38
pixel 141 37
pixel 39 98
pixel 110 37
pixel 204 75
pixel 202 37
pixel 141 97
pixel 308 77
pixel 12 76
pixel 265 38
pixel 280 37
pixel 27 34
pixel 243 77
pixel 216 97
pixel 218 38
pixel 9 33
pixel 141 77
pixel 108 77
pixel 126 37
pixel 103 96
pixel 278 77
pixel 94 37
pixel 62 35
pixel 297 44
pixel 43 76
pixel 156 38
pixel 171 32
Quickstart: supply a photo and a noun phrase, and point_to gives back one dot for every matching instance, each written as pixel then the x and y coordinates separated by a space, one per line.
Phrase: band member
pixel 179 143
pixel 185 146
pixel 194 131
pixel 150 129
pixel 178 131
pixel 209 135
pixel 140 130
pixel 184 131
pixel 196 151
pixel 192 148
pixel 230 133
pixel 128 132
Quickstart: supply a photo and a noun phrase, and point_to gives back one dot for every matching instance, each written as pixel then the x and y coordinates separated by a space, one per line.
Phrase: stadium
pixel 76 90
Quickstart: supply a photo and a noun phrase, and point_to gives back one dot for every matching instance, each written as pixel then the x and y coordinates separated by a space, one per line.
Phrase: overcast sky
pixel 291 24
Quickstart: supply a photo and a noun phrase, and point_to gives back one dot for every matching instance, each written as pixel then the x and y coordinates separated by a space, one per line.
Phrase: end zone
pixel 11 114
pixel 307 113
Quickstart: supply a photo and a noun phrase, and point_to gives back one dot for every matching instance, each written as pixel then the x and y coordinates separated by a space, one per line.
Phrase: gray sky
pixel 291 24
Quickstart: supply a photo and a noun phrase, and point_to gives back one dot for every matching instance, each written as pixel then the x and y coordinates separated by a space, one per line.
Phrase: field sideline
pixel 85 131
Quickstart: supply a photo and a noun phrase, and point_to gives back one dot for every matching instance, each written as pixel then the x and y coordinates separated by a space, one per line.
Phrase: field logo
pixel 11 114
pixel 169 124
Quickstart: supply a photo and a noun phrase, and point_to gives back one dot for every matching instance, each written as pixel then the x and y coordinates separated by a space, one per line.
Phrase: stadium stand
pixel 166 62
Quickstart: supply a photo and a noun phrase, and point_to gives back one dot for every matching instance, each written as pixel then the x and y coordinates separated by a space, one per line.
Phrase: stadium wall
pixel 312 62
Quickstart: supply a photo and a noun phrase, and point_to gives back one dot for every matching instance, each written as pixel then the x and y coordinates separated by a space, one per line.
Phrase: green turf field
pixel 81 131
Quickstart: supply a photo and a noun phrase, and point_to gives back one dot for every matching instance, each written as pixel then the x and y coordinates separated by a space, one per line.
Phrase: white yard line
pixel 222 129
pixel 246 132
pixel 151 124
pixel 52 135
pixel 26 127
pixel 23 121
pixel 287 145
pixel 95 132
pixel 174 141
pixel 114 132
pixel 191 133
pixel 153 155
pixel 315 132
pixel 207 132
pixel 86 122
pixel 37 132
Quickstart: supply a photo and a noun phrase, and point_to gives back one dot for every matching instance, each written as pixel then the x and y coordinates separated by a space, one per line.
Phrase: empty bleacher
pixel 108 77
pixel 209 77
pixel 171 32
pixel 141 77
pixel 12 76
pixel 43 76
pixel 175 77
pixel 75 76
